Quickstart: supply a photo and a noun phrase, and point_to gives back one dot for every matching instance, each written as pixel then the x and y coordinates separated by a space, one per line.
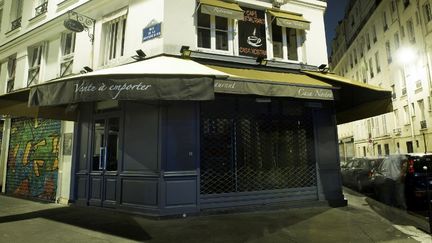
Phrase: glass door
pixel 105 154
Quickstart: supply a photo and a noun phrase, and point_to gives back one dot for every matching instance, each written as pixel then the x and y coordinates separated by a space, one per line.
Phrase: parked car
pixel 401 180
pixel 358 171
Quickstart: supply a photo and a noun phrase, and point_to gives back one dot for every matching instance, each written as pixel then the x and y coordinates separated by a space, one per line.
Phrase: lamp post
pixel 425 168
pixel 405 56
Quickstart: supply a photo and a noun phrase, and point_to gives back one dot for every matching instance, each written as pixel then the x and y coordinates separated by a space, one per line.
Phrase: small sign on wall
pixel 67 144
pixel 152 32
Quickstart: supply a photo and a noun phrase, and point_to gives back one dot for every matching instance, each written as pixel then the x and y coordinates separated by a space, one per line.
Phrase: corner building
pixel 176 107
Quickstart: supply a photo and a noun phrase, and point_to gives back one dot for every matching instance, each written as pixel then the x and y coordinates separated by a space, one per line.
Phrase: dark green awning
pixel 222 9
pixel 356 100
pixel 89 89
pixel 289 19
pixel 277 84
pixel 16 104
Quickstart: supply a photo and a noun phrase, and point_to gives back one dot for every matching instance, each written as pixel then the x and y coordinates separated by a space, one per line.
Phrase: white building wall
pixel 395 130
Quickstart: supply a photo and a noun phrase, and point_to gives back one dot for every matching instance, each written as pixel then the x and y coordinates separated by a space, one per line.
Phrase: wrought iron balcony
pixel 41 9
pixel 397 131
pixel 423 124
pixel 16 23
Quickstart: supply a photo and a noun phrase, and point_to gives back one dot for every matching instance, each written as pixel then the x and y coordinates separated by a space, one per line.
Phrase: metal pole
pixel 428 199
pixel 424 140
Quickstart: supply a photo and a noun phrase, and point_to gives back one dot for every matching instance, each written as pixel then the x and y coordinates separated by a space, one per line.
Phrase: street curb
pixel 399 216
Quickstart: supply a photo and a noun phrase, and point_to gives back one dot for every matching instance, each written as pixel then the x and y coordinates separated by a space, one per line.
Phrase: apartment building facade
pixel 388 44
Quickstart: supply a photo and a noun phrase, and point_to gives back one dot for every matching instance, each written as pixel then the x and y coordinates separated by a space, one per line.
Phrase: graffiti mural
pixel 33 158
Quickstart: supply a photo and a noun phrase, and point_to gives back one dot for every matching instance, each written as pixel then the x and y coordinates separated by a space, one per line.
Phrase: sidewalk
pixel 27 221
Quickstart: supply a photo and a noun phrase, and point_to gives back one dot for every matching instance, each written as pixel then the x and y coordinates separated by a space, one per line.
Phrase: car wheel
pixel 359 185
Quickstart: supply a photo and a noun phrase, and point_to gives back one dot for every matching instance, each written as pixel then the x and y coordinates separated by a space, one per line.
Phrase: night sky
pixel 335 12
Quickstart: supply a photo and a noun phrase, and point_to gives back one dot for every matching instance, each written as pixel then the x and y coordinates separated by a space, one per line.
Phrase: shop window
pixel 427 12
pixel 40 7
pixel 386 149
pixel 16 13
pixel 67 53
pixel 11 68
pixel 35 58
pixel 114 29
pixel 213 32
pixel 285 42
pixel 379 150
pixel 411 33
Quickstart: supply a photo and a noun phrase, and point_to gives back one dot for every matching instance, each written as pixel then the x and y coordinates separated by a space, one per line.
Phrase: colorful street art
pixel 33 158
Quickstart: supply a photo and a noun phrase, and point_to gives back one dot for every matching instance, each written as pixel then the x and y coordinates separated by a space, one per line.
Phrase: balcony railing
pixel 423 124
pixel 16 23
pixel 41 9
pixel 397 131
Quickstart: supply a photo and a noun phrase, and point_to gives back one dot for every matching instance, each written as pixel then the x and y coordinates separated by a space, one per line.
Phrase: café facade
pixel 182 132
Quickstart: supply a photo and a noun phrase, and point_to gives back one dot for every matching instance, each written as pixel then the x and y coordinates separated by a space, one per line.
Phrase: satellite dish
pixel 73 25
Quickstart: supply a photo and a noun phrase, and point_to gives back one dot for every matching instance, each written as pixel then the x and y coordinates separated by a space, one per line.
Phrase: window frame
pixel 114 44
pixel 11 72
pixel 66 59
pixel 231 27
pixel 35 63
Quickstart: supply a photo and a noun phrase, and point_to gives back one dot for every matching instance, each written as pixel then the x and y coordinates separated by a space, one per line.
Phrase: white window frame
pixel 11 72
pixel 377 62
pixel 385 22
pixel 114 44
pixel 388 52
pixel 66 60
pixel 406 115
pixel 16 13
pixel 36 60
pixel 299 40
pixel 232 26
pixel 411 31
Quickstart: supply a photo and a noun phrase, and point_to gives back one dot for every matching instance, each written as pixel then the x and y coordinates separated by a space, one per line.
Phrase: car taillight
pixel 411 166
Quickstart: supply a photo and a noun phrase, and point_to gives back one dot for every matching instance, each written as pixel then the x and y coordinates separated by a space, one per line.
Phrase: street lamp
pixel 406 56
pixel 425 168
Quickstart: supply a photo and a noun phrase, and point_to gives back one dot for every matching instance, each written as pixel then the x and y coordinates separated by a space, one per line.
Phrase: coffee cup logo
pixel 254 40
